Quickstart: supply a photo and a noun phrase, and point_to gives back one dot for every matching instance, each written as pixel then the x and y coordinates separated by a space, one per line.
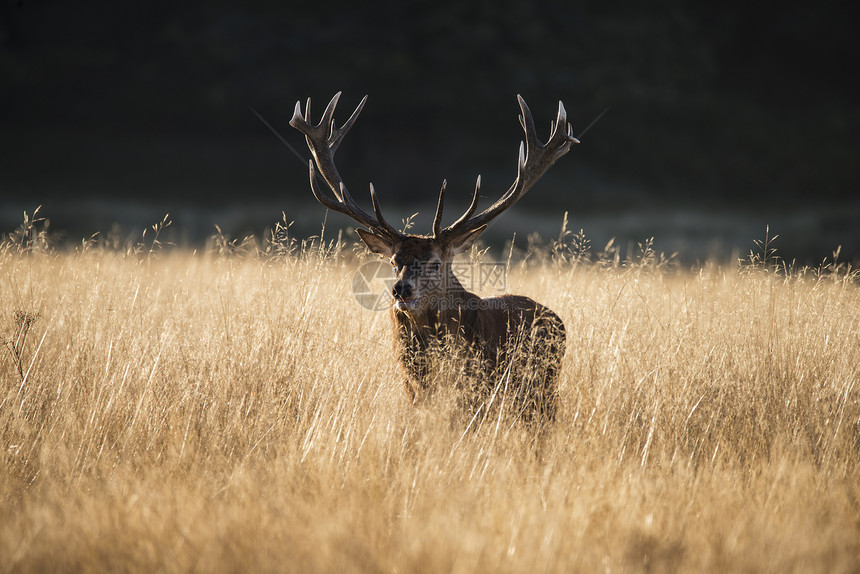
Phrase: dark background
pixel 724 118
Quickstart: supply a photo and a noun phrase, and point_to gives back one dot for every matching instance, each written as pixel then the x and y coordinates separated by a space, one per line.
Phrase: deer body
pixel 498 335
pixel 500 350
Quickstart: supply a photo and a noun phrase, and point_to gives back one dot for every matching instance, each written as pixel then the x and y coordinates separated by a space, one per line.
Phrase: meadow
pixel 235 409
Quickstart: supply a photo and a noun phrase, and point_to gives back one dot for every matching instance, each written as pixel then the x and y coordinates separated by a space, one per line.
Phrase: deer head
pixel 422 262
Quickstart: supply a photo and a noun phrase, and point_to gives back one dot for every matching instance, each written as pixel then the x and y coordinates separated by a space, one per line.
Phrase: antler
pixel 323 140
pixel 535 158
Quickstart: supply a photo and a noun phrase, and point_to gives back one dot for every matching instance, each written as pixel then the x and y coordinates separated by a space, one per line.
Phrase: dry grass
pixel 205 412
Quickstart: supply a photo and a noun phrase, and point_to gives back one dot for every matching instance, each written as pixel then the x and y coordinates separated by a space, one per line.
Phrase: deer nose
pixel 402 290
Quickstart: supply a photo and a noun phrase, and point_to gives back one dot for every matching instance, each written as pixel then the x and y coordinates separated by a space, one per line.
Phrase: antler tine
pixel 378 211
pixel 297 114
pixel 437 221
pixel 567 132
pixel 472 207
pixel 533 160
pixel 328 115
pixel 323 140
pixel 340 133
pixel 528 124
pixel 562 117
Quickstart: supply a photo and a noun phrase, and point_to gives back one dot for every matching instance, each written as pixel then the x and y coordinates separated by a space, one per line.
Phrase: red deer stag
pixel 513 346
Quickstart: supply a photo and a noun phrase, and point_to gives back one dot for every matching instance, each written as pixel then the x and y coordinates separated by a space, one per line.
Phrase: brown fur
pixel 510 347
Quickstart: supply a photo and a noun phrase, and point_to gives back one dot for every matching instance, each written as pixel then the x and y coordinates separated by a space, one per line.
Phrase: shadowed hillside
pixel 748 111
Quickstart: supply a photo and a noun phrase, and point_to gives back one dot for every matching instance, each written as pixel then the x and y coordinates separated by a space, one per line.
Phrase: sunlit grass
pixel 170 410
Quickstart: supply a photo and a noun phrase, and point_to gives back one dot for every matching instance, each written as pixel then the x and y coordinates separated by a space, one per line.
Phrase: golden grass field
pixel 211 411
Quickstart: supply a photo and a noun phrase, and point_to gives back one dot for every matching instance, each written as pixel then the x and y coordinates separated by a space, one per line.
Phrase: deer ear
pixel 464 242
pixel 376 243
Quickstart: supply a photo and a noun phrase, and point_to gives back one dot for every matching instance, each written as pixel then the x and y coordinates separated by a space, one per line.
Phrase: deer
pixel 510 345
